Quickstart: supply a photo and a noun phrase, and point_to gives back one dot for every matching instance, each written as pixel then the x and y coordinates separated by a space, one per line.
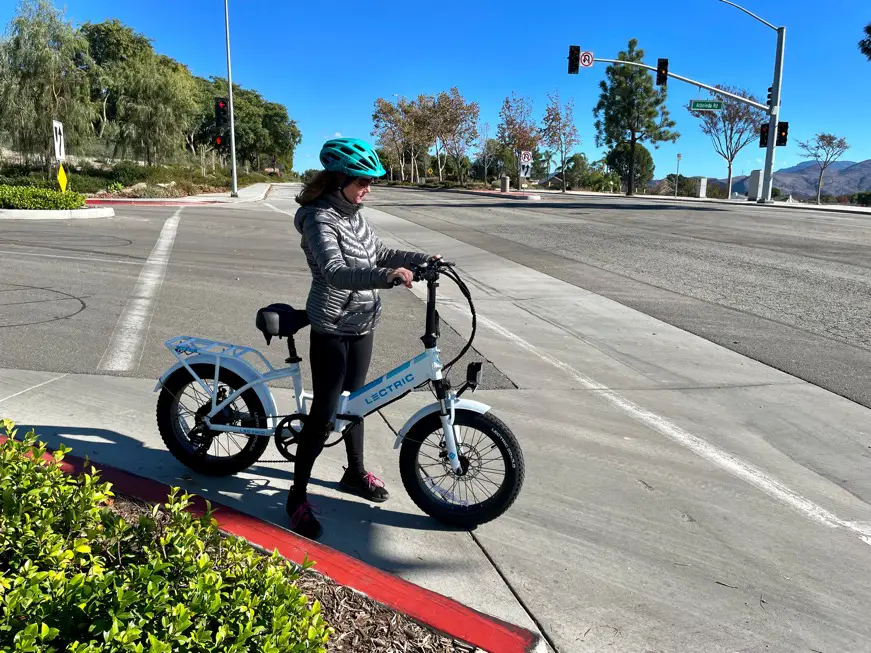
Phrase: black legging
pixel 338 363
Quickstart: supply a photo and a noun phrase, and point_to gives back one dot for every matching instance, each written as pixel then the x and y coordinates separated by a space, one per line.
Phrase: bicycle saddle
pixel 282 320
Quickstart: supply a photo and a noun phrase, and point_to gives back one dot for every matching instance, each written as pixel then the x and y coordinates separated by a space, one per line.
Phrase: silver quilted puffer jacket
pixel 348 262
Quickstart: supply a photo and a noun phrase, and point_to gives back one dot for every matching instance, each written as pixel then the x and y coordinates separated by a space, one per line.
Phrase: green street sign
pixel 706 105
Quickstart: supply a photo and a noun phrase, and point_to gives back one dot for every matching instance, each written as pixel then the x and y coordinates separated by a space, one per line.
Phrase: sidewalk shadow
pixel 351 526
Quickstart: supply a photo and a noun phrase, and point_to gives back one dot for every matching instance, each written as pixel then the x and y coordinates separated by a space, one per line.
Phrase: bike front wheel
pixel 493 469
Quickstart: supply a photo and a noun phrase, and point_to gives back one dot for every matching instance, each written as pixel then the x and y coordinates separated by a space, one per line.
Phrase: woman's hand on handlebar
pixel 400 276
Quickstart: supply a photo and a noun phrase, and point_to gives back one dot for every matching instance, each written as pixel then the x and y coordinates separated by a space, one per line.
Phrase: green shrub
pixel 75 576
pixel 31 181
pixel 25 197
pixel 862 199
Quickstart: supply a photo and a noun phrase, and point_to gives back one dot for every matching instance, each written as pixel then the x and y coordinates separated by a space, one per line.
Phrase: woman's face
pixel 358 189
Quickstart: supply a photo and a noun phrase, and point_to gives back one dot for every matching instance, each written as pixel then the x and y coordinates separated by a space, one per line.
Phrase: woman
pixel 349 264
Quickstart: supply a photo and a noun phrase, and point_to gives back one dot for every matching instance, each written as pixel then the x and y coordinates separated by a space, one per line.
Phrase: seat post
pixel 293 357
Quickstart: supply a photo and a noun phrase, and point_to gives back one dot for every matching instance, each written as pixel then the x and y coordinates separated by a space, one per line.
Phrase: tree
pixel 865 44
pixel 640 166
pixel 731 129
pixel 825 149
pixel 630 110
pixel 485 150
pixel 489 153
pixel 387 126
pixel 157 107
pixel 574 170
pixel 559 131
pixel 44 78
pixel 113 46
pixel 458 126
pixel 517 131
pixel 547 157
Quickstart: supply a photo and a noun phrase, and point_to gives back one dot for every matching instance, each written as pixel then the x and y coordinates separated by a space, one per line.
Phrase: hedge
pixel 26 197
pixel 74 576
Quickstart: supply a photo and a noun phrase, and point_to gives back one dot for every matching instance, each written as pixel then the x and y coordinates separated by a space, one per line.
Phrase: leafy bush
pixel 862 199
pixel 25 197
pixel 75 576
pixel 31 181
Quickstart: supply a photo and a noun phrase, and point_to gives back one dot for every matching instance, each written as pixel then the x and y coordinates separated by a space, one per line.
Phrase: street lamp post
pixel 235 190
pixel 774 109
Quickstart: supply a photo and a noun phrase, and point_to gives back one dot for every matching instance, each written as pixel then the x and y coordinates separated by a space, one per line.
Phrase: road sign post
pixel 60 153
pixel 768 178
pixel 234 191
pixel 58 133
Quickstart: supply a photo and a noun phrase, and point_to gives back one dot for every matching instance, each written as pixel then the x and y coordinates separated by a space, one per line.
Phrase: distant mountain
pixel 800 181
pixel 837 165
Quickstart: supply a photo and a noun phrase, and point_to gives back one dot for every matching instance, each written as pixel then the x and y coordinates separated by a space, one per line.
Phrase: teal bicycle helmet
pixel 352 157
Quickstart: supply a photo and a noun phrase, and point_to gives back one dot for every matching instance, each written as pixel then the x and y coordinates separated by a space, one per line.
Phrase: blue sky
pixel 328 61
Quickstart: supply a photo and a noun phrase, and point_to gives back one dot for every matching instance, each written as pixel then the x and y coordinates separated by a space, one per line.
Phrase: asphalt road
pixel 789 288
pixel 64 286
pixel 679 497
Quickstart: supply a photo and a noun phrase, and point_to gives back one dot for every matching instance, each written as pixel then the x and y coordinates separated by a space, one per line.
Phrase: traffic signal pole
pixel 689 81
pixel 768 177
pixel 235 190
pixel 774 109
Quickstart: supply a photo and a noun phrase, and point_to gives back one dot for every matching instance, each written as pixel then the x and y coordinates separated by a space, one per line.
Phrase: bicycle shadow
pixel 351 526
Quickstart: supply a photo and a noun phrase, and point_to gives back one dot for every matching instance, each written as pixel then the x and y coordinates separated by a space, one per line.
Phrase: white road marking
pixel 124 350
pixel 74 258
pixel 722 459
pixel 38 385
pixel 274 208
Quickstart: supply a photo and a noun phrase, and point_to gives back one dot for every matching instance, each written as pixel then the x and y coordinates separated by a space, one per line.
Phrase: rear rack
pixel 183 346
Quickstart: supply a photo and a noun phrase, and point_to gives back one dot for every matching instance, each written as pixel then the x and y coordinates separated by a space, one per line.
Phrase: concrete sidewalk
pixel 111 420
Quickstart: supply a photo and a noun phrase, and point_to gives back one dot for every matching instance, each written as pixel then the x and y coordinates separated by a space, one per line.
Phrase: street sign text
pixel 706 105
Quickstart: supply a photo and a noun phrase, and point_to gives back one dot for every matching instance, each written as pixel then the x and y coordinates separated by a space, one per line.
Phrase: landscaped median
pixel 31 202
pixel 86 570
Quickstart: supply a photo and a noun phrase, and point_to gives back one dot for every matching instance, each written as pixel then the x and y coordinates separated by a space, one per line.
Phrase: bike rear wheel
pixel 182 404
pixel 492 460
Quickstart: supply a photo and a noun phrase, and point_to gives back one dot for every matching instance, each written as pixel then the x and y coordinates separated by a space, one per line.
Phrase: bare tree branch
pixel 825 149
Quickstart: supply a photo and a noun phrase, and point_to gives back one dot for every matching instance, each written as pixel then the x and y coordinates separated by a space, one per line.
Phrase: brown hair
pixel 323 182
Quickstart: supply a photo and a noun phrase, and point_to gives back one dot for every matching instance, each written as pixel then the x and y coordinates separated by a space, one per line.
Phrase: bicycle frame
pixel 352 407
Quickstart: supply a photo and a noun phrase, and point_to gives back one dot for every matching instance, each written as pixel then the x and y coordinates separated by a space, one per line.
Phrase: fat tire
pixel 491 508
pixel 209 466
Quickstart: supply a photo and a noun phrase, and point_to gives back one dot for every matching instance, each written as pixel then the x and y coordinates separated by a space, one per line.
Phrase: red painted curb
pixel 436 611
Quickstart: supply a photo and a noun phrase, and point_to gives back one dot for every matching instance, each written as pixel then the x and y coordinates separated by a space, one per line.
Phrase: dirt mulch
pixel 361 624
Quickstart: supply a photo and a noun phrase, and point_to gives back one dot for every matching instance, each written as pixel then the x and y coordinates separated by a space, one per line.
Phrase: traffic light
pixel 662 72
pixel 221 111
pixel 763 135
pixel 782 131
pixel 770 88
pixel 574 59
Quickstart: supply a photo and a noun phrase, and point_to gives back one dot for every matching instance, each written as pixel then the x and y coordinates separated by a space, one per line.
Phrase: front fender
pixel 459 404
pixel 235 365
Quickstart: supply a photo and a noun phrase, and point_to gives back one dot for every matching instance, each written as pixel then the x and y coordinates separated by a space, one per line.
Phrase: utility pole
pixel 677 175
pixel 235 190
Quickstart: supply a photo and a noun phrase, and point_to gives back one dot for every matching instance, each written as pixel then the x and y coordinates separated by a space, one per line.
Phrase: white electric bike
pixel 458 462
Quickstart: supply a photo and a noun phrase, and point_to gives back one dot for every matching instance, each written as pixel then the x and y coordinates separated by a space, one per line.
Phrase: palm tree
pixel 865 44
pixel 548 159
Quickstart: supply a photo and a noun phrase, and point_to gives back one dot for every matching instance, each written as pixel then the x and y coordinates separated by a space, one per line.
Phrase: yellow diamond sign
pixel 62 178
